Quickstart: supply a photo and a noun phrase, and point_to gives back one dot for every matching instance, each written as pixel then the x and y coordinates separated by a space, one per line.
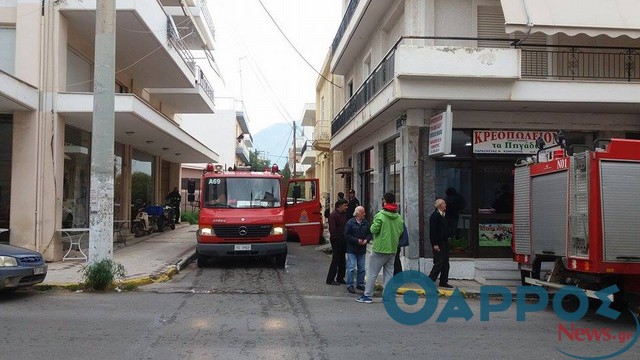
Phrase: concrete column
pixel 38 136
pixel 409 192
pixel 419 20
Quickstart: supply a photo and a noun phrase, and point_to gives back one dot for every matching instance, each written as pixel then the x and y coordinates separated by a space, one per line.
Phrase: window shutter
pixel 491 25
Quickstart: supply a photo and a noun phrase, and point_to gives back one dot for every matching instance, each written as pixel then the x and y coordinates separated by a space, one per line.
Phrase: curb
pixel 164 276
pixel 441 292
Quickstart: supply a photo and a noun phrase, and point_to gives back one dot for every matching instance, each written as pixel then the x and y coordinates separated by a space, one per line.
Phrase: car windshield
pixel 242 193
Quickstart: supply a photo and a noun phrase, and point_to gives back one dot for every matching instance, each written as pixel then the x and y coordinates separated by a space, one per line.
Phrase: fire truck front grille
pixel 242 231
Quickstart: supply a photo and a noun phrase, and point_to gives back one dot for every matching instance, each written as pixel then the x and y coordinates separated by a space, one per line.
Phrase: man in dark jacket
pixel 357 235
pixel 439 233
pixel 353 204
pixel 337 220
pixel 174 199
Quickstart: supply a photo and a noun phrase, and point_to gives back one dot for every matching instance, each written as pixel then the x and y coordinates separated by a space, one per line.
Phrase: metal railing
pixel 207 18
pixel 307 146
pixel 322 131
pixel 346 19
pixel 380 77
pixel 537 61
pixel 178 44
pixel 205 85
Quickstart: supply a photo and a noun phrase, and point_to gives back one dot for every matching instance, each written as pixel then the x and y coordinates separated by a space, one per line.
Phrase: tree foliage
pixel 286 172
pixel 258 164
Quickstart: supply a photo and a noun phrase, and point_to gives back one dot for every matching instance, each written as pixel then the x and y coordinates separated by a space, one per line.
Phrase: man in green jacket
pixel 387 226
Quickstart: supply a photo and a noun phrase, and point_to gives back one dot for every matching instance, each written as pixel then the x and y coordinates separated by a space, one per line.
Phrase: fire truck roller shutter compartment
pixel 620 209
pixel 522 212
pixel 549 208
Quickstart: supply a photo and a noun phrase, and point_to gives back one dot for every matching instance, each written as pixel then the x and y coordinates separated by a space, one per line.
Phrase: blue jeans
pixel 352 261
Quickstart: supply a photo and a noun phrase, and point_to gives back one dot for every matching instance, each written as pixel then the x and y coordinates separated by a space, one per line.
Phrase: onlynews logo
pixel 457 307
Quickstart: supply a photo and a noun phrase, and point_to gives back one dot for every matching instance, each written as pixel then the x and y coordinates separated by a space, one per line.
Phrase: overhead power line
pixel 294 47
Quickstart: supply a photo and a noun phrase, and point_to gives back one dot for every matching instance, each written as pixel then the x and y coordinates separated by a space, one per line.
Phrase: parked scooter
pixel 169 215
pixel 148 219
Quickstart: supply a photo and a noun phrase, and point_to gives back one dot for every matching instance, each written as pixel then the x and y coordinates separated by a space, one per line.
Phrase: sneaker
pixel 351 289
pixel 364 299
pixel 360 287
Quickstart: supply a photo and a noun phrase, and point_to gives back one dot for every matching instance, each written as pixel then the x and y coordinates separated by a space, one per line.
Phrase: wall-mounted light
pixel 468 143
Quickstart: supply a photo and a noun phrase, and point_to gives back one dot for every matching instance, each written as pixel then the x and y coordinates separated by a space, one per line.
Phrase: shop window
pixel 8 53
pixel 453 183
pixel 117 181
pixel 142 182
pixel 77 178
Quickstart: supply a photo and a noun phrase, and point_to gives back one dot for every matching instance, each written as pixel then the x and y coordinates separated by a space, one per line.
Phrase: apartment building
pixel 509 71
pixel 46 109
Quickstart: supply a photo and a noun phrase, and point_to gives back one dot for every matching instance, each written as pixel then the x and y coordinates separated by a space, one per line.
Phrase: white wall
pixel 216 131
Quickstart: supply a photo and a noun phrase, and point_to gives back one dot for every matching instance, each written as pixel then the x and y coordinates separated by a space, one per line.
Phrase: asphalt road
pixel 251 310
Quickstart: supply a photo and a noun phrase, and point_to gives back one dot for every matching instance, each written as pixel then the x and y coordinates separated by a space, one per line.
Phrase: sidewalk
pixel 146 259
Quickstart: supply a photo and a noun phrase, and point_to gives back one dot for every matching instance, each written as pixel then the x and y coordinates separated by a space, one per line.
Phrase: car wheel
pixel 202 260
pixel 281 260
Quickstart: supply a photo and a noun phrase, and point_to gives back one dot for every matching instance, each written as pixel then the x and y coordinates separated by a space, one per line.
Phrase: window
pixel 349 90
pixel 8 53
pixel 229 193
pixel 6 148
pixel 365 173
pixel 77 178
pixel 79 73
pixel 391 170
pixel 142 182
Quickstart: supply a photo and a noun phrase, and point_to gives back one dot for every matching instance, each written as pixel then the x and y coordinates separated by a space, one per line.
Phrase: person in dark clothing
pixel 455 203
pixel 397 265
pixel 439 234
pixel 353 203
pixel 174 199
pixel 504 202
pixel 337 220
pixel 341 196
pixel 357 235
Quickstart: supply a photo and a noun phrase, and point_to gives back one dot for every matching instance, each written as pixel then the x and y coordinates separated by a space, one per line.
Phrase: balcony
pixel 193 21
pixel 145 41
pixel 307 154
pixel 242 152
pixel 544 77
pixel 16 95
pixel 137 124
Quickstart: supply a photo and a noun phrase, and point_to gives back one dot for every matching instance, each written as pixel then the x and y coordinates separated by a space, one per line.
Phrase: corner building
pixel 509 73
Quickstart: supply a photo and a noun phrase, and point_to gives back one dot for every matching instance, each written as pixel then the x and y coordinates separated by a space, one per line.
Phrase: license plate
pixel 242 247
pixel 38 271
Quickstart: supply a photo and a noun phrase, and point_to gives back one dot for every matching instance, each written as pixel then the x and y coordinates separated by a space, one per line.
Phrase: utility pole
pixel 102 148
pixel 295 155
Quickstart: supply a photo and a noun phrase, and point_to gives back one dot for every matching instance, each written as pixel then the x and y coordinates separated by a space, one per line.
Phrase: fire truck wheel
pixel 202 260
pixel 281 260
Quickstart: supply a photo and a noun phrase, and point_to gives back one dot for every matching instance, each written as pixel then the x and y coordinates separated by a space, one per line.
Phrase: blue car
pixel 20 267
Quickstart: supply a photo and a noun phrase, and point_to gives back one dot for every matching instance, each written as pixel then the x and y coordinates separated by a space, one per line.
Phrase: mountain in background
pixel 274 143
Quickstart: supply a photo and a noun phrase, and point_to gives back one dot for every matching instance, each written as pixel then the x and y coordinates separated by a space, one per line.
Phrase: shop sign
pixel 491 235
pixel 440 132
pixel 509 141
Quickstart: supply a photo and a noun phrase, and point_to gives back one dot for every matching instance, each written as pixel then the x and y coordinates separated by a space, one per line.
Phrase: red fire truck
pixel 251 214
pixel 581 212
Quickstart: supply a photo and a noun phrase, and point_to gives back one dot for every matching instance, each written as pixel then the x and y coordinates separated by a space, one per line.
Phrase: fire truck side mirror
pixel 191 198
pixel 191 187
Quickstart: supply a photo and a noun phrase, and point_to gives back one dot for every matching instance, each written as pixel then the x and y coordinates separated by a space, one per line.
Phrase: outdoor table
pixel 68 233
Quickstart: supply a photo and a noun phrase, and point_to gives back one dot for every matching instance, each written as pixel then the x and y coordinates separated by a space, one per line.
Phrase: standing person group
pixel 387 227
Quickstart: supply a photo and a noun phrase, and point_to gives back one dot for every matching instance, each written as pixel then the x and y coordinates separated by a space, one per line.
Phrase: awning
pixel 591 17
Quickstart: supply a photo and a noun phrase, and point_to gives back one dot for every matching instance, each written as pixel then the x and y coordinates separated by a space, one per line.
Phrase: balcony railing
pixel 307 146
pixel 322 131
pixel 537 61
pixel 178 44
pixel 205 84
pixel 207 18
pixel 346 19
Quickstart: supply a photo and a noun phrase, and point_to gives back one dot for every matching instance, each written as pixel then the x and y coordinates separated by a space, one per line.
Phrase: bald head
pixel 359 212
pixel 440 204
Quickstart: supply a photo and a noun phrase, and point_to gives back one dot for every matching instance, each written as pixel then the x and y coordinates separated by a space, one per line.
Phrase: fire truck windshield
pixel 233 193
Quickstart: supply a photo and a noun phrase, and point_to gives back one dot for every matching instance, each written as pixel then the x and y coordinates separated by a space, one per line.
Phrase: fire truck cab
pixel 252 214
pixel 580 212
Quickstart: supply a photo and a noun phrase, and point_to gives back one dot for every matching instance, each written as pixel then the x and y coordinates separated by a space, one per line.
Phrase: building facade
pixel 406 62
pixel 46 109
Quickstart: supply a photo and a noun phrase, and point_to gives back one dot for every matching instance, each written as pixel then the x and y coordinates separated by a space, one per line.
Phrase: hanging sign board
pixel 509 141
pixel 440 132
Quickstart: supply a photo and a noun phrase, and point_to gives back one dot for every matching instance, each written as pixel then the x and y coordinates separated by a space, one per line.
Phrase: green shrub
pixel 101 274
pixel 189 216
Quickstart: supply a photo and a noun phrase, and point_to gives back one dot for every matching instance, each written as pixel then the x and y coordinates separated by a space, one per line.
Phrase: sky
pixel 257 63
